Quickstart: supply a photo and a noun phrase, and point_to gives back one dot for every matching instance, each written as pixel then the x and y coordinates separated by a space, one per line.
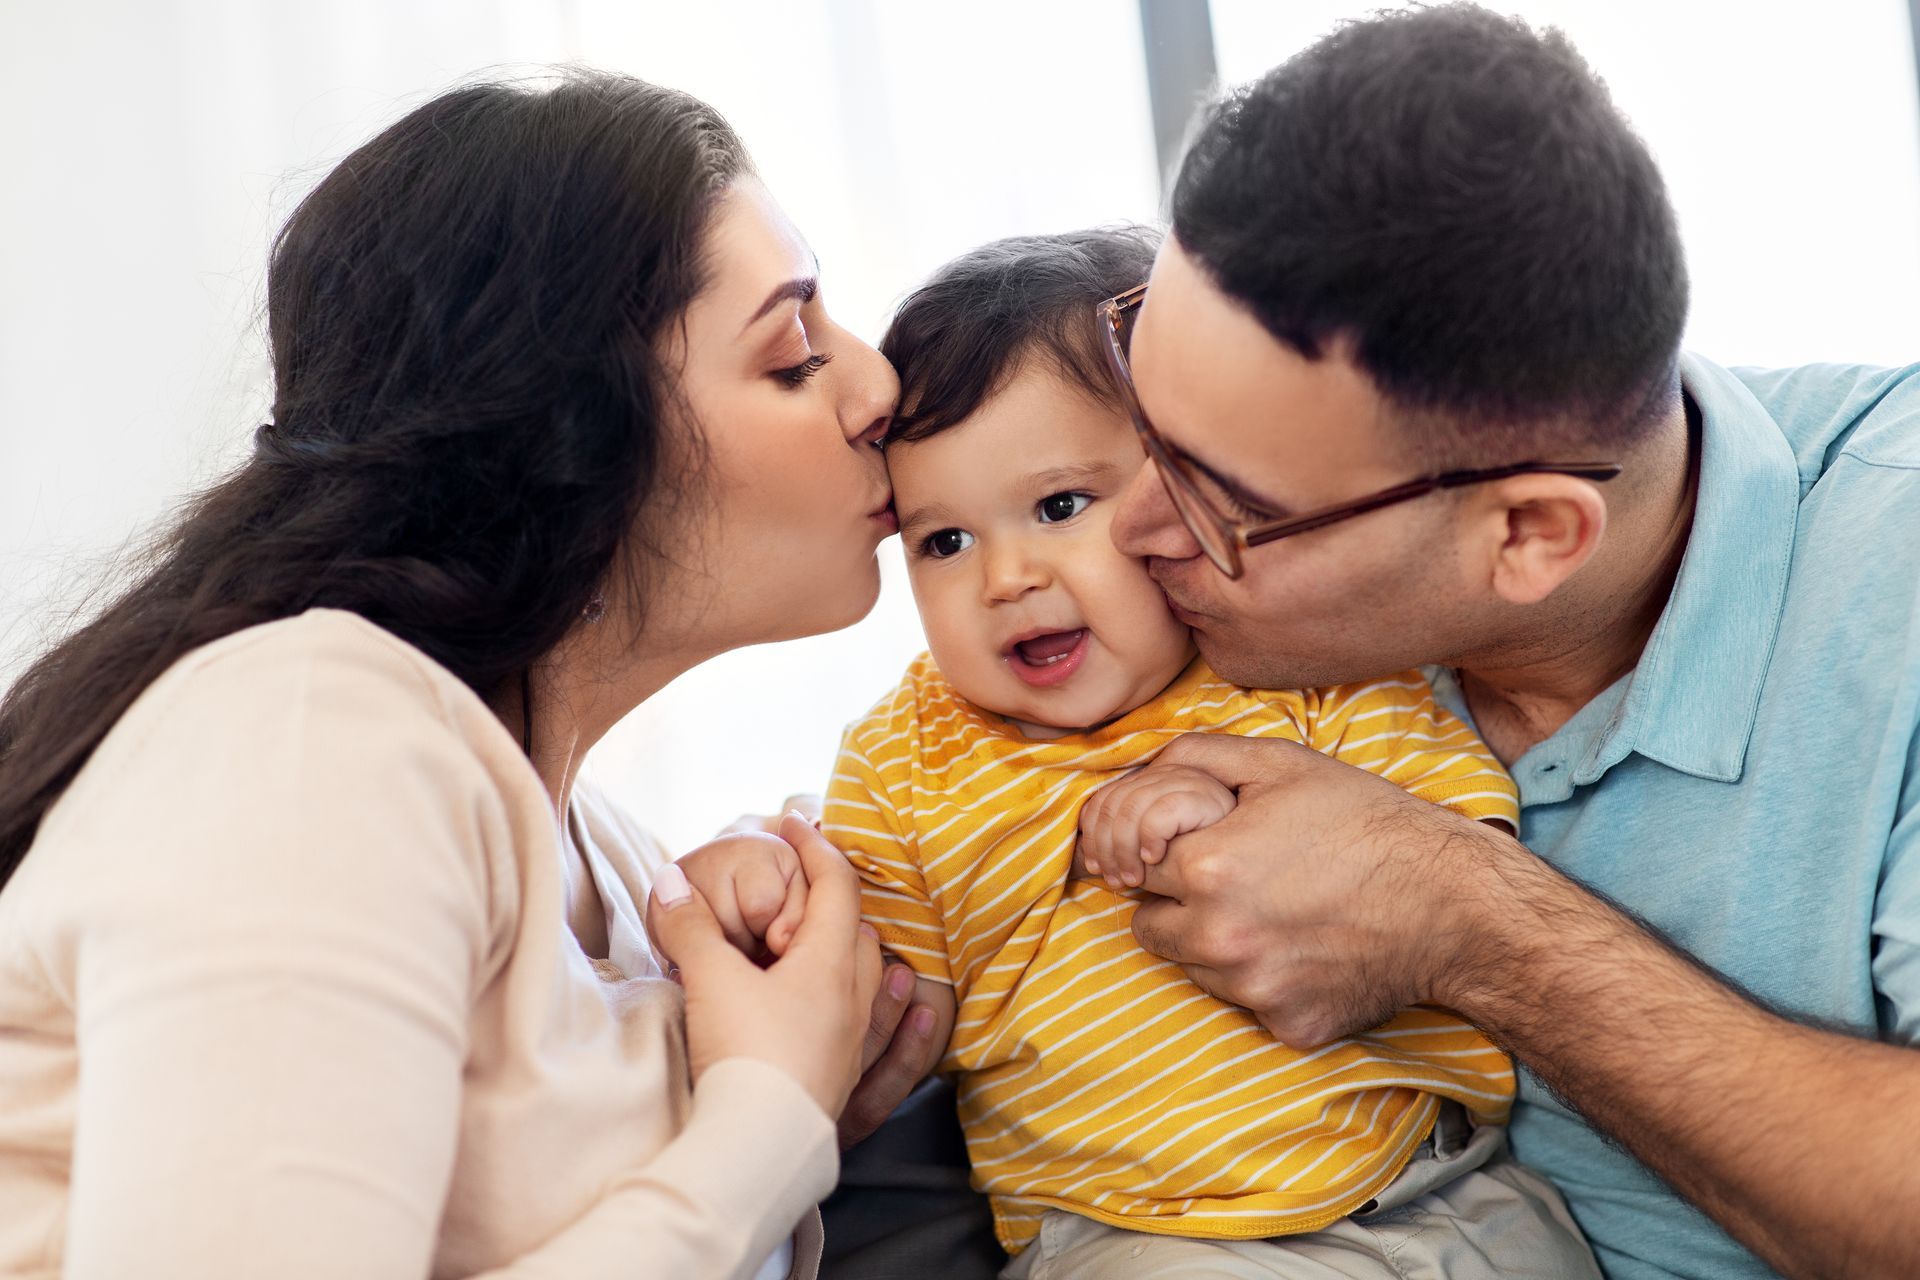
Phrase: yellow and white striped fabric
pixel 1094 1077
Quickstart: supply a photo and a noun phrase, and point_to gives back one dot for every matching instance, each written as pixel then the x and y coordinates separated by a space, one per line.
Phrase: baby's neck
pixel 1046 732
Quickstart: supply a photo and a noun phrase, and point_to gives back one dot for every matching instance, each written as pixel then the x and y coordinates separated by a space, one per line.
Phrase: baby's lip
pixel 1034 633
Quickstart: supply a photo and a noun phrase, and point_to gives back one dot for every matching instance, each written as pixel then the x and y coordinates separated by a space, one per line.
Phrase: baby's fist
pixel 753 883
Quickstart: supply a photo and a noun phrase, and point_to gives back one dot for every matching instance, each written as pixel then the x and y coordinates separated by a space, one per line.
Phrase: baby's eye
pixel 1056 507
pixel 942 543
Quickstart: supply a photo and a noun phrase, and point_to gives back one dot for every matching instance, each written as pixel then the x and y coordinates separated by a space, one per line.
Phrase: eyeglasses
pixel 1226 539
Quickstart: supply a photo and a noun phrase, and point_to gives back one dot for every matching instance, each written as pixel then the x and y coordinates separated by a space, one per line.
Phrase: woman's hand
pixel 753 884
pixel 807 1012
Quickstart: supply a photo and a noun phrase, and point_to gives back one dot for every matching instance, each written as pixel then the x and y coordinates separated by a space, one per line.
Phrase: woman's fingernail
pixel 922 1020
pixel 869 931
pixel 1093 868
pixel 795 813
pixel 670 887
pixel 899 981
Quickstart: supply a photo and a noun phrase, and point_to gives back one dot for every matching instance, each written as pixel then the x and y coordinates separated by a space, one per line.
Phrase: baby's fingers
pixel 1124 868
pixel 1172 815
pixel 760 889
pixel 781 929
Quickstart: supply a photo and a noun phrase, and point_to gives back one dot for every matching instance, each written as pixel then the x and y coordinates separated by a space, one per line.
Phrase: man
pixel 1682 604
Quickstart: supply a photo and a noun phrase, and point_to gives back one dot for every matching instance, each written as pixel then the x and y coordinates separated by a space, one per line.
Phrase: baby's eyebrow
pixel 1073 473
pixel 920 517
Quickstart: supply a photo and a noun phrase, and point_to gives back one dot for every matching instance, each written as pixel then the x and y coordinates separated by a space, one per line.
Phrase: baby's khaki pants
pixel 1460 1210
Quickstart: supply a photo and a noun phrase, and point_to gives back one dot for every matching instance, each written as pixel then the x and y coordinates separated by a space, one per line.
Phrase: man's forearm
pixel 1794 1139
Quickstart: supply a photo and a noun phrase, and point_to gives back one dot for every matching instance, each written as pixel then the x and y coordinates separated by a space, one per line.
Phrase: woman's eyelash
pixel 799 373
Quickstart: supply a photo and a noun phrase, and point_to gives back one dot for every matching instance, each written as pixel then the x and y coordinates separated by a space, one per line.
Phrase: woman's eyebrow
pixel 801 289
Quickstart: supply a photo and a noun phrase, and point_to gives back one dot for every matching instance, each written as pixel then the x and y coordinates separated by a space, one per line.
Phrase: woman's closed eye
pixel 797 375
pixel 1056 507
pixel 942 543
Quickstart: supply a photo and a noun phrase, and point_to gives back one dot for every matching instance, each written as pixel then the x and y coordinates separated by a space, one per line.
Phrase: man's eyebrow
pixel 801 289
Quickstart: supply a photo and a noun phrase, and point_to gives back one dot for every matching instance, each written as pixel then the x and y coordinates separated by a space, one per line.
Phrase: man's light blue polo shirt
pixel 1752 788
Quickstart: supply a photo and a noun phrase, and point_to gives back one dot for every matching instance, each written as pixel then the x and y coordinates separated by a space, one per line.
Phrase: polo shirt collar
pixel 1691 700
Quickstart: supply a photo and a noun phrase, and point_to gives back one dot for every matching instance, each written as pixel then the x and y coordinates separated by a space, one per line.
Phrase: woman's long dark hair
pixel 468 409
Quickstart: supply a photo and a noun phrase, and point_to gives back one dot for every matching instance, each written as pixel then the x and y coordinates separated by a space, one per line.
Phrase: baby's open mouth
pixel 1048 658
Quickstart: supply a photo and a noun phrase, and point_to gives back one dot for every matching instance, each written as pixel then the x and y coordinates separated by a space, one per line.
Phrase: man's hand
pixel 1328 900
pixel 905 1037
pixel 1126 826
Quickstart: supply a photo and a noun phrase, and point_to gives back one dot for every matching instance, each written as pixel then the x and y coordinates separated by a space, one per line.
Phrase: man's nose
pixel 1012 571
pixel 1146 523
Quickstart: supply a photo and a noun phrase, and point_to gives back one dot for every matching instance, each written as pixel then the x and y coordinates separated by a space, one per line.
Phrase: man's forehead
pixel 1215 382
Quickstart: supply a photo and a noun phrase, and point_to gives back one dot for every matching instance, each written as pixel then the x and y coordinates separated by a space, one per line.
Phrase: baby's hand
pixel 1127 825
pixel 753 883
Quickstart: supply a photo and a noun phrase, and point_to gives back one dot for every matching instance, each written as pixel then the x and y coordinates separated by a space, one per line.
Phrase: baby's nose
pixel 1011 573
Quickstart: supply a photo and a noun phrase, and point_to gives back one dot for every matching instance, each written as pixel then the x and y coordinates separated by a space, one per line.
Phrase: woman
pixel 308 940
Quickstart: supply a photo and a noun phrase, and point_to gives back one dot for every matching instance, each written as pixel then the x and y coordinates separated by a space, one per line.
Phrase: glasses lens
pixel 1199 519
pixel 1193 509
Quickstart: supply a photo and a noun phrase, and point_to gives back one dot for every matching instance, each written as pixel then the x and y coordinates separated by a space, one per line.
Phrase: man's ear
pixel 1536 532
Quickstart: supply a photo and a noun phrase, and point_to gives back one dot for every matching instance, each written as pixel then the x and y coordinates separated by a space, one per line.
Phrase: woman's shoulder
pixel 313 778
pixel 318 737
pixel 321 648
pixel 317 676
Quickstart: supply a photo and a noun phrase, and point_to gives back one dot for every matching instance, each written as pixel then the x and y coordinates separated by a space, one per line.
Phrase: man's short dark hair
pixel 958 337
pixel 1454 201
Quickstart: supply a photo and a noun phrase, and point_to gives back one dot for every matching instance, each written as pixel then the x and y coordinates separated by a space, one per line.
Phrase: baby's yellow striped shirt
pixel 1094 1076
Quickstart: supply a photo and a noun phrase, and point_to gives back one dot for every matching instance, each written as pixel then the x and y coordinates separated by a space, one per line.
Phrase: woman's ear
pixel 1539 530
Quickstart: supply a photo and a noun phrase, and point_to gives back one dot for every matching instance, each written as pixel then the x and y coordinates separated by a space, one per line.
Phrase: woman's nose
pixel 1011 572
pixel 872 391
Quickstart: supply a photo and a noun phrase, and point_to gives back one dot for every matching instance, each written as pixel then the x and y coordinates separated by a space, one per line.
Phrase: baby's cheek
pixel 961 652
pixel 1159 644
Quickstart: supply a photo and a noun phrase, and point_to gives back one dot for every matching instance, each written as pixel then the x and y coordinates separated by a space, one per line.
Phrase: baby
pixel 1095 1078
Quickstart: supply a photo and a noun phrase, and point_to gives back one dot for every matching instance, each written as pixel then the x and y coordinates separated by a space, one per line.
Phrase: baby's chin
pixel 1037 722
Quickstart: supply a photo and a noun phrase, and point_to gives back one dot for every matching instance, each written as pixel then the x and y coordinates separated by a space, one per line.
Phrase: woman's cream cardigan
pixel 286 990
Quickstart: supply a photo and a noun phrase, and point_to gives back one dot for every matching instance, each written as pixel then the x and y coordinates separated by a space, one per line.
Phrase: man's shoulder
pixel 1869 413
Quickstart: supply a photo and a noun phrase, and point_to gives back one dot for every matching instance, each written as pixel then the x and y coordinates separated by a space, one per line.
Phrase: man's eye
pixel 947 542
pixel 1056 507
pixel 1222 500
